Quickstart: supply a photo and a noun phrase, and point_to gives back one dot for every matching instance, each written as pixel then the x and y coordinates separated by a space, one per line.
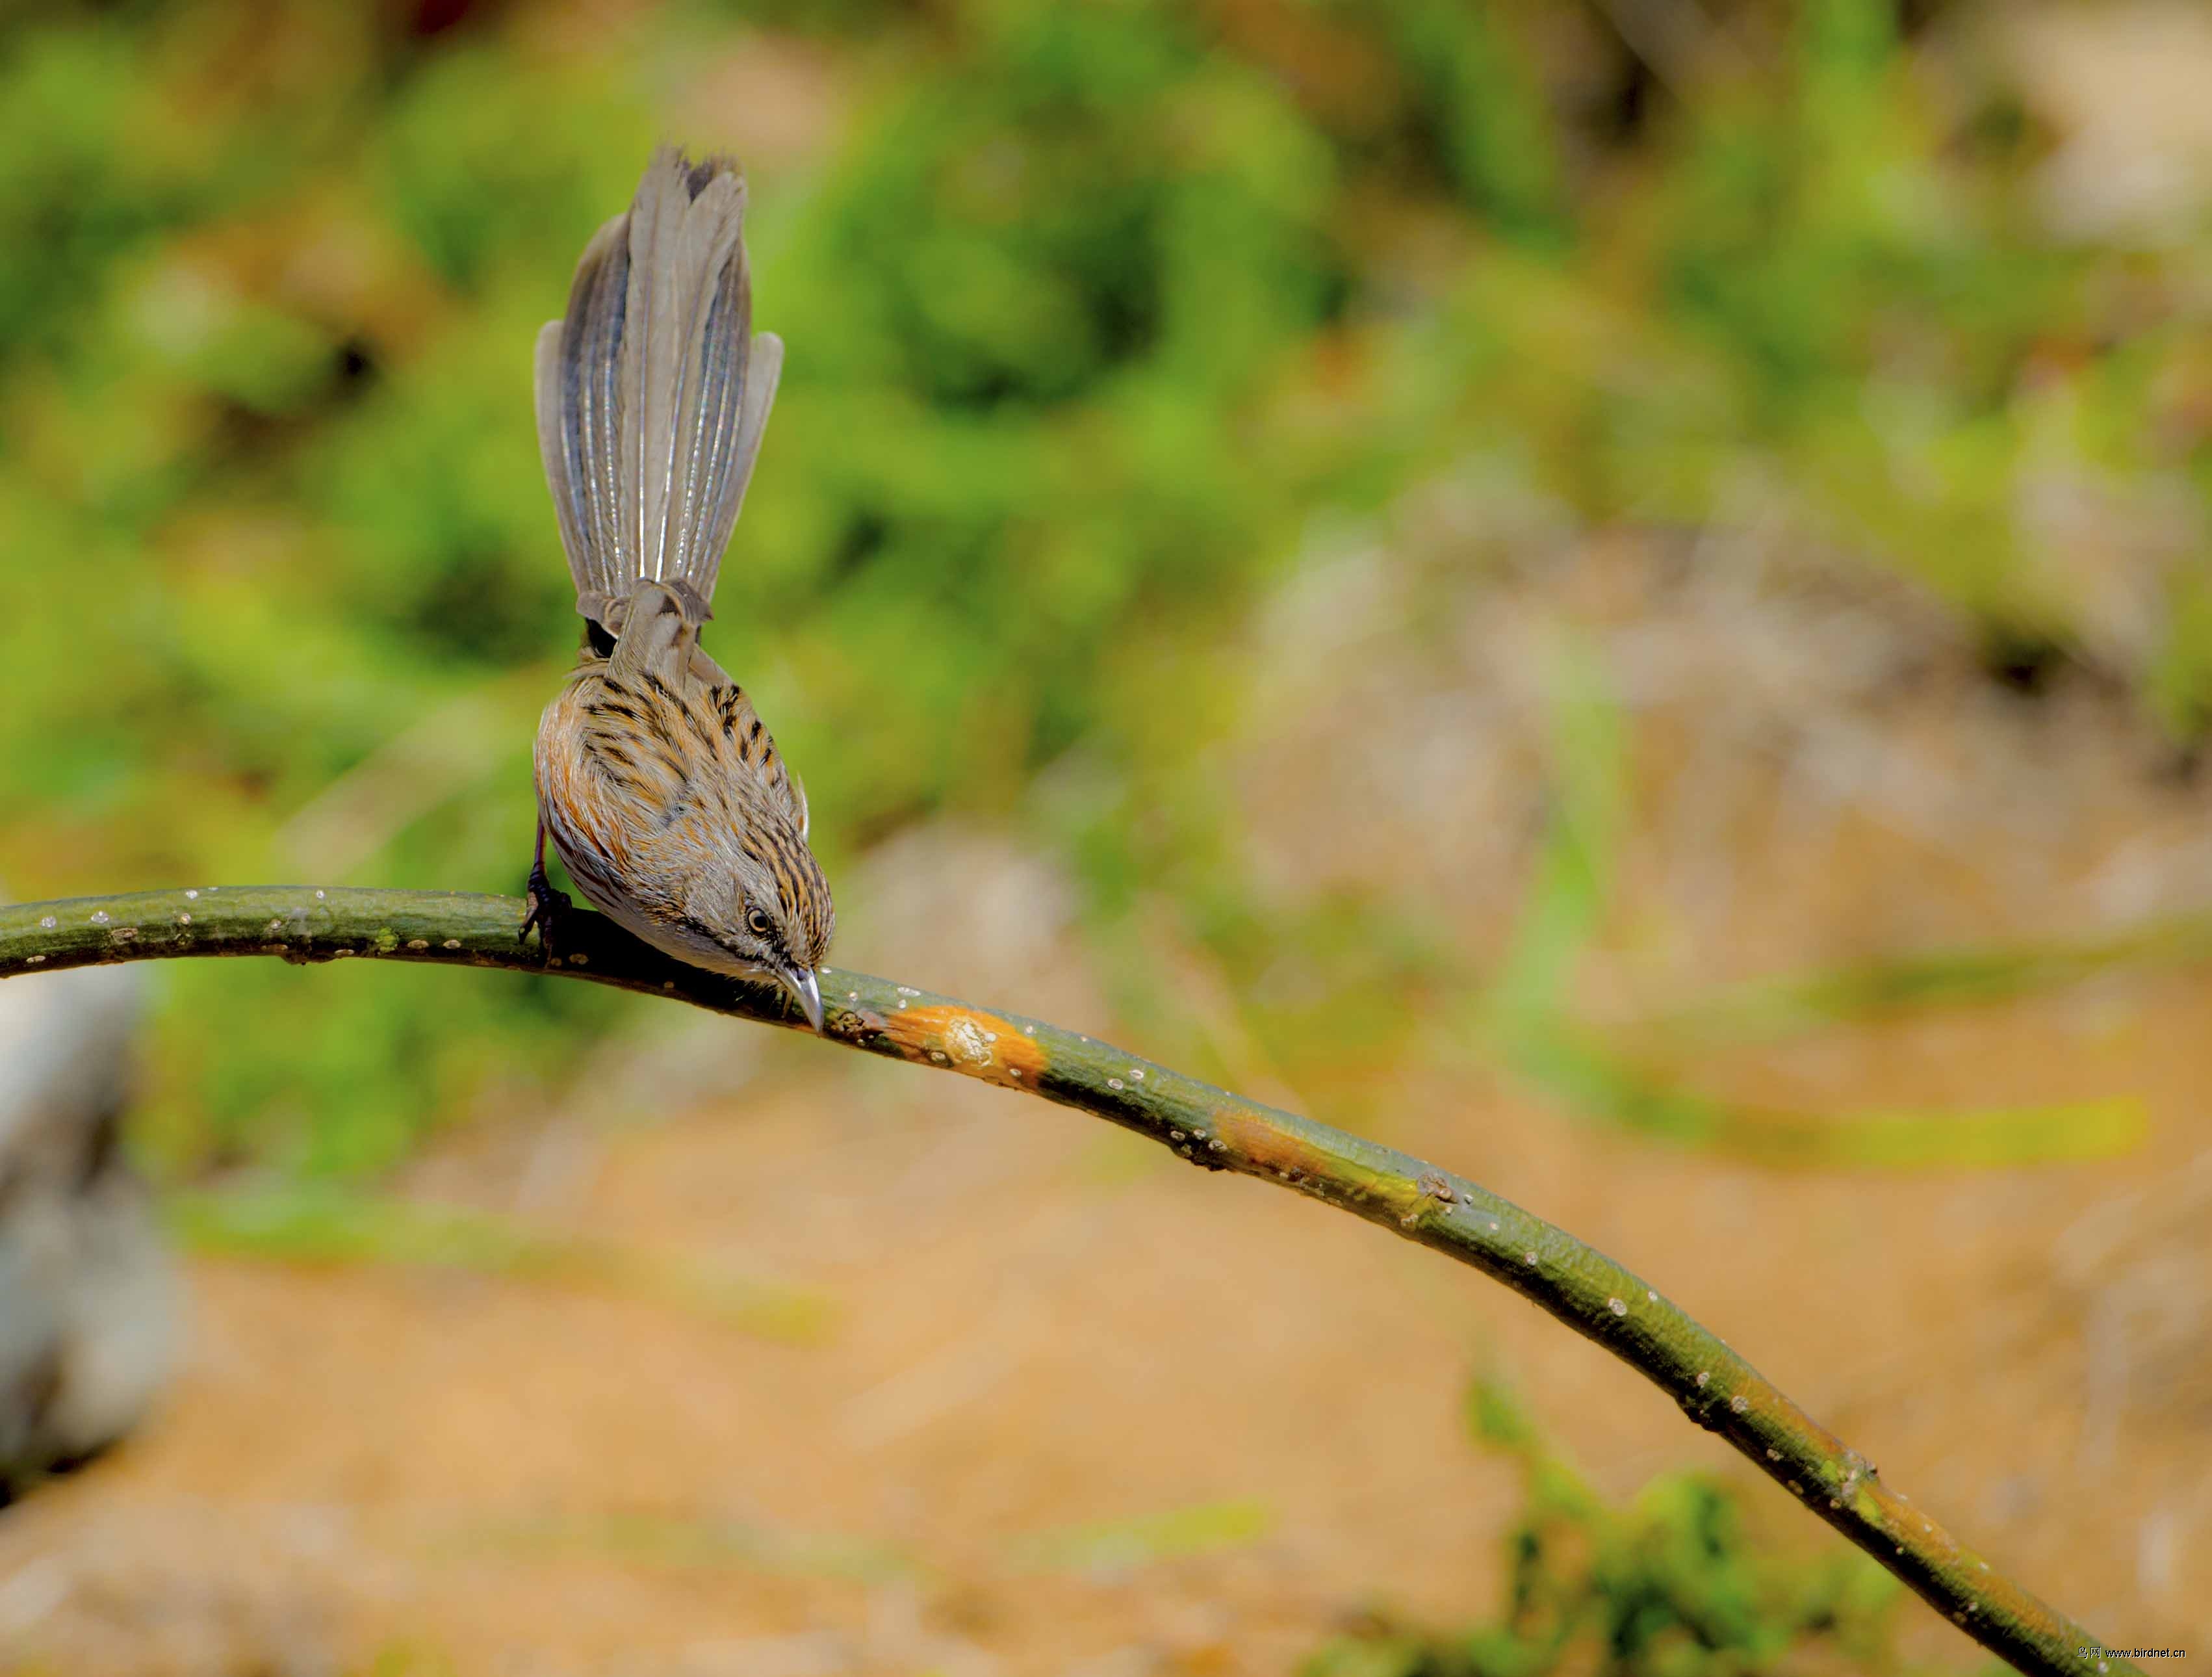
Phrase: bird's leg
pixel 545 903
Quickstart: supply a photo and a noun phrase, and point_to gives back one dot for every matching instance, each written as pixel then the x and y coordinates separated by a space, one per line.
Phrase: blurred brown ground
pixel 1040 1324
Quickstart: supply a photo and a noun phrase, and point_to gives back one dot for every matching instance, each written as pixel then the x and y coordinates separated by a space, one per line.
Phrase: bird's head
pixel 768 911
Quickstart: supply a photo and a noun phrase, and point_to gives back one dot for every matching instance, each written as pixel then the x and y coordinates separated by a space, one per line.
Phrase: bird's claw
pixel 546 905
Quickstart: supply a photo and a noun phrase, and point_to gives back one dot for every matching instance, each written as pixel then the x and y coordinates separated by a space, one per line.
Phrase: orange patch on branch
pixel 1258 1145
pixel 982 1045
pixel 1263 1145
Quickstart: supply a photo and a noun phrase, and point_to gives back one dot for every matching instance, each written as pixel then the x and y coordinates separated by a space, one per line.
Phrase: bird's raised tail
pixel 652 391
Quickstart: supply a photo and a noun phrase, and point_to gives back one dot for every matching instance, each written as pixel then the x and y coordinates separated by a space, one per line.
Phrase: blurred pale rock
pixel 972 913
pixel 2136 1271
pixel 89 1301
pixel 2124 87
pixel 1768 688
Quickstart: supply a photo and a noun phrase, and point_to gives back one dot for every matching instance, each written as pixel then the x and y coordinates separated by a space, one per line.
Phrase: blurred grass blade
pixel 1573 876
pixel 680 1541
pixel 1598 1083
pixel 1991 1137
pixel 1120 1544
pixel 319 1223
pixel 1879 989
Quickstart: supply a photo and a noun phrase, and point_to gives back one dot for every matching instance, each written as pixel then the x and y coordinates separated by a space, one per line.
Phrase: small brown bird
pixel 661 790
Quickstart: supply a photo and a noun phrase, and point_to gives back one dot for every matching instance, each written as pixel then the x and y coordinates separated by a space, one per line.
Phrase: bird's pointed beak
pixel 807 989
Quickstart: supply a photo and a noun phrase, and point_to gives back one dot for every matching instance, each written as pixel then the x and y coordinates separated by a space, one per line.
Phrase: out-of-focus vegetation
pixel 323 1223
pixel 1532 1025
pixel 1676 1583
pixel 1095 312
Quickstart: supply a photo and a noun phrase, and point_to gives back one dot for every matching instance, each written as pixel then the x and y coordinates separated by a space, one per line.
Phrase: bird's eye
pixel 758 924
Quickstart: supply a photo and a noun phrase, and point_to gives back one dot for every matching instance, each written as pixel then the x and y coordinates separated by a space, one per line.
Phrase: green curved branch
pixel 1588 1291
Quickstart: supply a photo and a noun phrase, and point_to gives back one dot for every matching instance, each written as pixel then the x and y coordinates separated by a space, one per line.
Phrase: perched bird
pixel 91 1313
pixel 657 785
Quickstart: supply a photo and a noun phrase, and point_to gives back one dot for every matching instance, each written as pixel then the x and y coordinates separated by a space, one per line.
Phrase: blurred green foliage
pixel 1676 1583
pixel 1093 309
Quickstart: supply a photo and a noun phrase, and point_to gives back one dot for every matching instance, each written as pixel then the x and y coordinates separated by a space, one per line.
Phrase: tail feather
pixel 652 393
